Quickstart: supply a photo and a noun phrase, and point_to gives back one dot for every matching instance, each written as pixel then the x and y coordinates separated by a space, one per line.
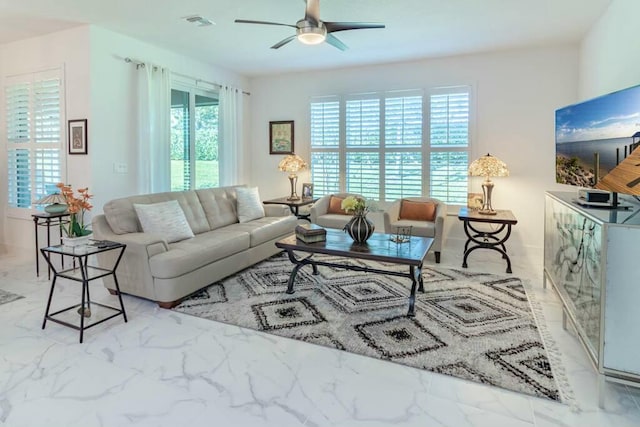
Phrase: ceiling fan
pixel 311 30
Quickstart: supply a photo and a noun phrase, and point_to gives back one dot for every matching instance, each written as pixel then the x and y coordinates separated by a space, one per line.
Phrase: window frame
pixel 382 149
pixel 193 90
pixel 32 78
pixel 450 90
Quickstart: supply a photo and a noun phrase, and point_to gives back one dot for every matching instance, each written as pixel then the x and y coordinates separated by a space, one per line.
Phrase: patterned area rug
pixel 479 327
pixel 6 296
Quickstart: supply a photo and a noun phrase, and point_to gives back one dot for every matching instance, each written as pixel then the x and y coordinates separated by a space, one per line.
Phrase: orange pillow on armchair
pixel 418 211
pixel 335 206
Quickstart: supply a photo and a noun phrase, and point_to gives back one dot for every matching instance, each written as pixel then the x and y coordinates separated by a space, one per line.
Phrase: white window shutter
pixel 34 136
pixel 383 153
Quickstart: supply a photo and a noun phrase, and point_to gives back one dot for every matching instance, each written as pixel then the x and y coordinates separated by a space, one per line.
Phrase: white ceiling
pixel 414 28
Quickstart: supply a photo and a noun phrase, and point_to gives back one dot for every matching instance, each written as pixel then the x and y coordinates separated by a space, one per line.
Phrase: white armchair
pixel 325 215
pixel 393 219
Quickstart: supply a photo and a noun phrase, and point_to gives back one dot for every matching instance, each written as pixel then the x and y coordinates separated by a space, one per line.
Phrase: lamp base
pixel 487 188
pixel 487 212
pixel 55 208
pixel 293 179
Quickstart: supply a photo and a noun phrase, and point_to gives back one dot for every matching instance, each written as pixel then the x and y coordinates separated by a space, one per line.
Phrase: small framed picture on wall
pixel 281 137
pixel 78 136
pixel 307 191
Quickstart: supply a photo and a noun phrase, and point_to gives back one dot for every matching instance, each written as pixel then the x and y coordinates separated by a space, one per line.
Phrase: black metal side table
pixel 44 219
pixel 487 239
pixel 294 205
pixel 84 274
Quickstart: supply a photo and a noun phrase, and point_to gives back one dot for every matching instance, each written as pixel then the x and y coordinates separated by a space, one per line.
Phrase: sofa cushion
pixel 333 220
pixel 417 211
pixel 189 255
pixel 219 206
pixel 335 206
pixel 122 216
pixel 249 204
pixel 164 218
pixel 418 228
pixel 264 229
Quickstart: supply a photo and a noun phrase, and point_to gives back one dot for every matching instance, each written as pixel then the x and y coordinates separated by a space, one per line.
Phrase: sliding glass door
pixel 194 139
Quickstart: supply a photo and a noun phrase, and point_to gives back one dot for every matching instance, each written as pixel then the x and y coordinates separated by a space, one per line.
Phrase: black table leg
pixel 35 222
pixel 48 244
pixel 115 280
pixel 415 274
pixel 298 264
pixel 53 285
pixel 486 240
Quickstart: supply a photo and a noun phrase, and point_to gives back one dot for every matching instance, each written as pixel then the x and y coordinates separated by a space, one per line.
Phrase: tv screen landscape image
pixel 597 142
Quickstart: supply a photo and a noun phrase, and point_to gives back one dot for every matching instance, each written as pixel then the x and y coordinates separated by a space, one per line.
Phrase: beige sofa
pixel 166 272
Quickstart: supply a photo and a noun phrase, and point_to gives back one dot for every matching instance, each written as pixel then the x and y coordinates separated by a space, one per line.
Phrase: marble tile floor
pixel 168 369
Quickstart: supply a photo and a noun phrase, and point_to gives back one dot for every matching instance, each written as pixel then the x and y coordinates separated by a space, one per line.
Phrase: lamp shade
pixel 488 166
pixel 51 199
pixel 56 203
pixel 292 164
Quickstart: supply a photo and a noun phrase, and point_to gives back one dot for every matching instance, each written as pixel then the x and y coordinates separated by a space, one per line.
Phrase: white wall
pixel 609 55
pixel 67 49
pixel 516 94
pixel 114 110
pixel 100 87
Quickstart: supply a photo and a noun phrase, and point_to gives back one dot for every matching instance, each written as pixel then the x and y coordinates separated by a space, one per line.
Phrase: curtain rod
pixel 138 62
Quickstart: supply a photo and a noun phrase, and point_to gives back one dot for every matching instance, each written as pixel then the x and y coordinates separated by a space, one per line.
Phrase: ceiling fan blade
pixel 332 27
pixel 246 21
pixel 312 11
pixel 283 42
pixel 335 42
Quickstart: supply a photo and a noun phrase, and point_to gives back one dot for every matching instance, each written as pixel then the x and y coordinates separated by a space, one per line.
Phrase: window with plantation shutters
pixel 34 136
pixel 403 141
pixel 391 145
pixel 449 144
pixel 325 146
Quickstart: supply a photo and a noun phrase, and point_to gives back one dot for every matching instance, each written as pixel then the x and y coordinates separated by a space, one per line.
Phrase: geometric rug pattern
pixel 6 296
pixel 474 326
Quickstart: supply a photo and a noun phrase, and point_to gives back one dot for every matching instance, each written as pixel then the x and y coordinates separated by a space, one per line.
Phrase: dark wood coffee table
pixel 379 247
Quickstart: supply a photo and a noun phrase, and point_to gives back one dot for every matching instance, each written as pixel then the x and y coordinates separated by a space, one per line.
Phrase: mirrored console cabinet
pixel 592 259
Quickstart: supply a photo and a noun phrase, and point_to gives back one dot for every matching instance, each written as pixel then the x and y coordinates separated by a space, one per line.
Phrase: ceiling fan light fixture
pixel 312 35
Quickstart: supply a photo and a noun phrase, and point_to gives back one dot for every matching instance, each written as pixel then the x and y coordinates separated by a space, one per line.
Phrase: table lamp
pixel 488 166
pixel 292 164
pixel 56 203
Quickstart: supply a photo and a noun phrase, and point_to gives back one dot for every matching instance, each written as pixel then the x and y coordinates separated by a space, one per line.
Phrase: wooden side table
pixel 48 220
pixel 294 205
pixel 84 274
pixel 487 239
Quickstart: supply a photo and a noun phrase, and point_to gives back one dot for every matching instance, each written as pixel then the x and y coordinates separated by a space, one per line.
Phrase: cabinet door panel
pixel 573 261
pixel 622 301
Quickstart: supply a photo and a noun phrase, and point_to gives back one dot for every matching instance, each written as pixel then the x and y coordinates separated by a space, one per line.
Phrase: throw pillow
pixel 418 211
pixel 249 204
pixel 165 218
pixel 335 206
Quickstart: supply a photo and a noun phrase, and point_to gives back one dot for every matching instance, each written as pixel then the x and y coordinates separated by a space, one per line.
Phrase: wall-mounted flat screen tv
pixel 598 142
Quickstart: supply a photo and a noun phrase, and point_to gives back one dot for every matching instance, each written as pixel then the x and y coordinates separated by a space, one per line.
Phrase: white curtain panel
pixel 230 149
pixel 154 97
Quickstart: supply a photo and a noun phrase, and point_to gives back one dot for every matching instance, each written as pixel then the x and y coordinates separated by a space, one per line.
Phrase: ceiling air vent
pixel 197 19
